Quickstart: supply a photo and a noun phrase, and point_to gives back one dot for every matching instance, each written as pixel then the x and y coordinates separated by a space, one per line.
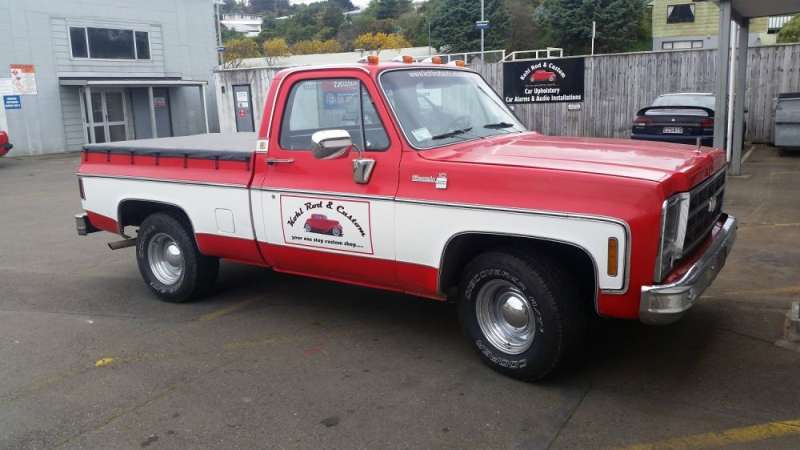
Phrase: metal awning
pixel 749 9
pixel 734 30
pixel 129 82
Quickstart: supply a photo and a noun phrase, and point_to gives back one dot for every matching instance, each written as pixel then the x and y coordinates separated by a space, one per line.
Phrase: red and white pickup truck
pixel 438 191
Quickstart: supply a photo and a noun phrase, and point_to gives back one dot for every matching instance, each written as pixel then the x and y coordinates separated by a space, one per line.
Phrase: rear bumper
pixel 666 303
pixel 706 141
pixel 83 226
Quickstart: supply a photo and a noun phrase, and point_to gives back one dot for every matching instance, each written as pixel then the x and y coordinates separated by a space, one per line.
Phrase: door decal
pixel 326 223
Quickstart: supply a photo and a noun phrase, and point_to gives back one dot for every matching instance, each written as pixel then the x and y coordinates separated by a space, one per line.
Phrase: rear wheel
pixel 521 314
pixel 170 262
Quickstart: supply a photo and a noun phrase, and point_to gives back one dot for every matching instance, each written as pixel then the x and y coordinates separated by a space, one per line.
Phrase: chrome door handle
pixel 273 161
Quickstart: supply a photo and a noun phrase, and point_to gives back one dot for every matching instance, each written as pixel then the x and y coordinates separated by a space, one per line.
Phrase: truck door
pixel 315 218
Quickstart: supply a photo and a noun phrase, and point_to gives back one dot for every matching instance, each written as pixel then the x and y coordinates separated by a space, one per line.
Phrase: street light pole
pixel 219 31
pixel 482 30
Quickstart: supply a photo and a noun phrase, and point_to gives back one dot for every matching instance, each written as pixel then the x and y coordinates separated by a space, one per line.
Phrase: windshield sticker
pixel 438 73
pixel 421 134
pixel 326 223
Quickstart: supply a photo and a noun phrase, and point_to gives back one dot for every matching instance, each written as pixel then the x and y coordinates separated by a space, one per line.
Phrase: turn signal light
pixel 613 257
pixel 408 59
pixel 372 59
pixel 436 60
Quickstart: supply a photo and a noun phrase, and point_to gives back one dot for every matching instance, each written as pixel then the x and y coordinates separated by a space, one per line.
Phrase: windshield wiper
pixel 451 133
pixel 498 125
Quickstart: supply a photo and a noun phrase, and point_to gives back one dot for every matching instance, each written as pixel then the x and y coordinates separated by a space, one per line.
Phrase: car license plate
pixel 673 130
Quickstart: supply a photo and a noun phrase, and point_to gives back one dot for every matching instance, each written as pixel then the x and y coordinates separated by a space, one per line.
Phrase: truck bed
pixel 215 158
pixel 222 146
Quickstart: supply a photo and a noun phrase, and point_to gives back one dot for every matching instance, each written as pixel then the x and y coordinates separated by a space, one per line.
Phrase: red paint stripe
pixel 233 248
pixel 376 273
pixel 102 222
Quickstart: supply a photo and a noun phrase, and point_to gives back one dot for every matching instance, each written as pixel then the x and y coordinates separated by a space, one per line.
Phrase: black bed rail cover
pixel 215 146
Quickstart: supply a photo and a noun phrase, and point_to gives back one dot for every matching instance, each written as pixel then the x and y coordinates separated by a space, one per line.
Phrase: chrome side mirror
pixel 331 144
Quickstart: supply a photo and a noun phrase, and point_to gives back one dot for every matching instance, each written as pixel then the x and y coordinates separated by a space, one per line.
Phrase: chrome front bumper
pixel 666 303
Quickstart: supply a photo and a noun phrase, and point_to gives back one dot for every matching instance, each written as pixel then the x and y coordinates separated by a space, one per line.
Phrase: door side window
pixel 331 104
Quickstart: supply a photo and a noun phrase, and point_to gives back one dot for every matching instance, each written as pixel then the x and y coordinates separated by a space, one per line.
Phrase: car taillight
pixel 80 189
pixel 707 123
pixel 3 137
pixel 641 121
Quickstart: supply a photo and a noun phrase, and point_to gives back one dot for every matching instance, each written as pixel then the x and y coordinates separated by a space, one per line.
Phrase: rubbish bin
pixel 787 121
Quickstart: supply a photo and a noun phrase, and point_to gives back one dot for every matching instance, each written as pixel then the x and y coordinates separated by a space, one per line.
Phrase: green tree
pixel 525 33
pixel 228 34
pixel 238 49
pixel 569 24
pixel 790 32
pixel 274 49
pixel 274 7
pixel 390 9
pixel 380 41
pixel 453 25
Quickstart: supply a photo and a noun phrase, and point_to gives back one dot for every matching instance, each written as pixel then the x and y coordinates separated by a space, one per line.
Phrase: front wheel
pixel 170 262
pixel 520 313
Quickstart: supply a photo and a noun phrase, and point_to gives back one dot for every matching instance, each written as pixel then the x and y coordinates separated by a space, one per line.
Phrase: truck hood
pixel 652 161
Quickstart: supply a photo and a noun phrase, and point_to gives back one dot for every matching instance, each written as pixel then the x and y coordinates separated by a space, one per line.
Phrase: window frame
pixel 692 8
pixel 364 89
pixel 89 57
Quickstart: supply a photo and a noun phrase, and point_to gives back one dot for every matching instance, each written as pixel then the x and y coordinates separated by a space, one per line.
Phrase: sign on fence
pixel 543 81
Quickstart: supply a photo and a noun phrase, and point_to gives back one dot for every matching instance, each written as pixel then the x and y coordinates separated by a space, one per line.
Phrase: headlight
pixel 674 215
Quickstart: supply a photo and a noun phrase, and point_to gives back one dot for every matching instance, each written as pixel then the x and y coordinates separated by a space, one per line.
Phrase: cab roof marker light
pixel 408 59
pixel 372 59
pixel 436 60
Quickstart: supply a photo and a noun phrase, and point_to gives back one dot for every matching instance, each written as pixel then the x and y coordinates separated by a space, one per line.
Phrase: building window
pixel 775 23
pixel 77 37
pixel 681 45
pixel 680 13
pixel 142 45
pixel 109 43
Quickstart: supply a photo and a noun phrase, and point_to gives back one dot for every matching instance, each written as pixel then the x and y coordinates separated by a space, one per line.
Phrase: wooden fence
pixel 619 85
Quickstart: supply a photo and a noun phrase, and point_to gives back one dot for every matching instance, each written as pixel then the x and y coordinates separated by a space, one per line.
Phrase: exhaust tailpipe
pixel 122 244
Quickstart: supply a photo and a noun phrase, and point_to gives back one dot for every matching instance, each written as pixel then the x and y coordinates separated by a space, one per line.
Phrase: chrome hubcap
pixel 505 317
pixel 165 258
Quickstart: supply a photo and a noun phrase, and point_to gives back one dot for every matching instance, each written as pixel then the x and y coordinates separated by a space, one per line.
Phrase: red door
pixel 316 219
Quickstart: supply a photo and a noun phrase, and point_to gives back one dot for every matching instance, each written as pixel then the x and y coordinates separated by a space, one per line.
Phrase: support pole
pixel 87 92
pixel 723 67
pixel 739 97
pixel 153 131
pixel 205 105
pixel 482 32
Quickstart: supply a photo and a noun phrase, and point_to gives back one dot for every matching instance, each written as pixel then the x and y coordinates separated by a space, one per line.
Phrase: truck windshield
pixel 436 107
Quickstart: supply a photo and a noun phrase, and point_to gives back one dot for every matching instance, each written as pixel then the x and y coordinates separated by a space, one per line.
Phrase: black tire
pixel 199 272
pixel 560 320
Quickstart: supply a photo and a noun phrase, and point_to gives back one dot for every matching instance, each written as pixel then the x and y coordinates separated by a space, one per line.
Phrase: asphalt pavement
pixel 90 359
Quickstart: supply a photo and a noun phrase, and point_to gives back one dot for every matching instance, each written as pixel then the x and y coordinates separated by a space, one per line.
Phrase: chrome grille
pixel 702 213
